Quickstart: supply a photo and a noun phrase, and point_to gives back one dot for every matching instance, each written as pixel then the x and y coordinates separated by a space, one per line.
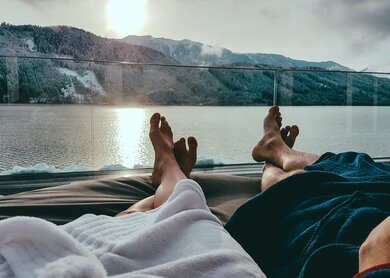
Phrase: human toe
pixel 294 131
pixel 180 145
pixel 155 121
pixel 274 110
pixel 283 133
pixel 192 145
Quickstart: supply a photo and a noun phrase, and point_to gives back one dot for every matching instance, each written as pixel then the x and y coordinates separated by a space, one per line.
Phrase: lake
pixel 95 136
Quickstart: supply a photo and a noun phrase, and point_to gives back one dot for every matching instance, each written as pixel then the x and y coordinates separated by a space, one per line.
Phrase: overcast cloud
pixel 355 33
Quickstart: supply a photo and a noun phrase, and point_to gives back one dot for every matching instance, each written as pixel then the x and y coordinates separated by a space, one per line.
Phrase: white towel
pixel 182 238
pixel 32 247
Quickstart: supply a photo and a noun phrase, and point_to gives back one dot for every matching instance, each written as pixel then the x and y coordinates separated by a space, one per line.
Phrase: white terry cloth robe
pixel 181 238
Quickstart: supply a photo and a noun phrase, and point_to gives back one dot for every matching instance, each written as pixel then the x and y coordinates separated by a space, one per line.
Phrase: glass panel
pixel 367 124
pixel 36 126
pixel 193 100
pixel 313 100
pixel 95 115
pixel 308 88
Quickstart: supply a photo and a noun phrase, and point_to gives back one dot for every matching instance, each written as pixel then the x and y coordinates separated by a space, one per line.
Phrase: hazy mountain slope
pixel 65 41
pixel 57 81
pixel 190 52
pixel 24 80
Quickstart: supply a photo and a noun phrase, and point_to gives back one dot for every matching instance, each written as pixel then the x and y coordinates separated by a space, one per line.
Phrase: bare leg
pixel 141 206
pixel 271 173
pixel 165 166
pixel 272 148
pixel 185 160
pixel 375 250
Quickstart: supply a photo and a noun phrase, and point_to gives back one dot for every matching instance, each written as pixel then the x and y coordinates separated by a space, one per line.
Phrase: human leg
pixel 375 250
pixel 166 169
pixel 276 138
pixel 141 206
pixel 162 140
pixel 271 173
pixel 186 158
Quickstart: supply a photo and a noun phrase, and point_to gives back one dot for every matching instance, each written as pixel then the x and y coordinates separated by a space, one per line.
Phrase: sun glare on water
pixel 125 17
pixel 129 133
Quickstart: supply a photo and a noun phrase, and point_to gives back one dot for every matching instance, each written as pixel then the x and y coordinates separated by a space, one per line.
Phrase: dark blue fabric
pixel 312 224
pixel 383 273
pixel 352 166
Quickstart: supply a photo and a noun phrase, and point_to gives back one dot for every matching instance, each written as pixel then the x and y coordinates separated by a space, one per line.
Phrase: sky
pixel 354 33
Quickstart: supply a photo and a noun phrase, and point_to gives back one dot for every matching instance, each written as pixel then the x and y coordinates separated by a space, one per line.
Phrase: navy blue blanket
pixel 312 224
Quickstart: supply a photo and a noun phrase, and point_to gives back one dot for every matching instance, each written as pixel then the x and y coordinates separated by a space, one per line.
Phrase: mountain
pixel 44 80
pixel 63 41
pixel 26 80
pixel 195 53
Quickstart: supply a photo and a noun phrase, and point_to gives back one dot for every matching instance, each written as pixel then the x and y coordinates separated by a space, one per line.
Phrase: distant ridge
pixel 66 81
pixel 196 53
pixel 64 41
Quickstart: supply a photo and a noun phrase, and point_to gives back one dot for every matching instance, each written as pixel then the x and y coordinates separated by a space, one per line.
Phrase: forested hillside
pixel 30 80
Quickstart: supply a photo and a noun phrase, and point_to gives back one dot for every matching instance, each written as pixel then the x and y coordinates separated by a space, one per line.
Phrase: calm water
pixel 94 136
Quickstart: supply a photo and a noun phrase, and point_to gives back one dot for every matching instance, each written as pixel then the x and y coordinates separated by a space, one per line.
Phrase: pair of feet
pixel 275 140
pixel 276 144
pixel 174 161
pixel 167 151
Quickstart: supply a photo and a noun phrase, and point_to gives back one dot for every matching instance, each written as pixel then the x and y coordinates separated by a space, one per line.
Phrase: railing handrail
pixel 124 63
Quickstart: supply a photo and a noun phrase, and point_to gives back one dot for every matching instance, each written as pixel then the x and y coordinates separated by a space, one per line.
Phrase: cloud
pixel 368 18
pixel 208 50
pixel 89 15
pixel 355 33
pixel 48 2
pixel 352 32
pixel 359 29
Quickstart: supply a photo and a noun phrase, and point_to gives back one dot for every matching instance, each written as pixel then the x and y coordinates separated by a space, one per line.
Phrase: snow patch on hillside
pixel 211 51
pixel 70 91
pixel 87 78
pixel 336 67
pixel 31 45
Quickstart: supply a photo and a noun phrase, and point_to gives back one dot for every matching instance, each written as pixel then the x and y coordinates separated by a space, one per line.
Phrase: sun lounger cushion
pixel 64 203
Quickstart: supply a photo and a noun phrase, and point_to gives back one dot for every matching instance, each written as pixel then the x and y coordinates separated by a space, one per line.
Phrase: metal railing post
pixel 275 87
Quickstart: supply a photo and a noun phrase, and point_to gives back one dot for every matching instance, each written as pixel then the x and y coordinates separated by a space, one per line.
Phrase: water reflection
pixel 59 135
pixel 130 133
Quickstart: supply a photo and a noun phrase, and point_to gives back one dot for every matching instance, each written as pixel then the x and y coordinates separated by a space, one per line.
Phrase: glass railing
pixel 67 115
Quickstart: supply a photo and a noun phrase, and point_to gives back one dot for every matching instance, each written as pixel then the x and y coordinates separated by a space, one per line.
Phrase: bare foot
pixel 289 134
pixel 272 148
pixel 166 171
pixel 271 145
pixel 162 140
pixel 186 158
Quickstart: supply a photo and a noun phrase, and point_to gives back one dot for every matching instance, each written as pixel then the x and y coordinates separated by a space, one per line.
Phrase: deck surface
pixel 26 182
